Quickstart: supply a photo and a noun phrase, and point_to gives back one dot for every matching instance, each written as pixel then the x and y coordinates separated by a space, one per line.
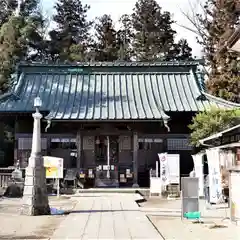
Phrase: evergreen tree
pixel 70 40
pixel 124 37
pixel 180 52
pixel 9 7
pixel 212 121
pixel 154 36
pixel 106 46
pixel 13 48
pixel 19 38
pixel 29 7
pixel 6 10
pixel 217 25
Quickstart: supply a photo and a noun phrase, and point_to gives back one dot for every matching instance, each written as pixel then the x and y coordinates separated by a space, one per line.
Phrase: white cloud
pixel 116 8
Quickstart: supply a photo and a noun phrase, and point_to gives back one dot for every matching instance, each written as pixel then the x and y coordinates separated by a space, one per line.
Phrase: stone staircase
pixel 106 183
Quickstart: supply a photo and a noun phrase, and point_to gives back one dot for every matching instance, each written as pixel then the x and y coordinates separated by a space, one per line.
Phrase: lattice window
pixel 174 144
pixel 63 143
pixel 149 143
pixel 26 143
pixel 150 140
pixel 125 143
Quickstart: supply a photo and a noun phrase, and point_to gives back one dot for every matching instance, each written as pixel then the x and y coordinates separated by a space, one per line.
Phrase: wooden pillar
pixel 16 150
pixel 135 159
pixel 165 143
pixel 48 145
pixel 79 148
pixel 238 157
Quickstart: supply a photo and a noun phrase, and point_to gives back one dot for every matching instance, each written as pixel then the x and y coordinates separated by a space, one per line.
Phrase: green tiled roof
pixel 110 91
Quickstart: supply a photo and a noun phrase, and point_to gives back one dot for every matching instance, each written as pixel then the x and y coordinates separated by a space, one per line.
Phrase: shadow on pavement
pixel 100 211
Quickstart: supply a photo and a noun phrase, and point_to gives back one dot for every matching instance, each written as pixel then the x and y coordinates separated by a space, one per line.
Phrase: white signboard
pixel 169 168
pixel 198 168
pixel 155 185
pixel 215 187
pixel 173 162
pixel 54 167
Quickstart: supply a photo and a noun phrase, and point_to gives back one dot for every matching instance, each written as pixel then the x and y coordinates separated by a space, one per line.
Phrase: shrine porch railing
pixel 5 175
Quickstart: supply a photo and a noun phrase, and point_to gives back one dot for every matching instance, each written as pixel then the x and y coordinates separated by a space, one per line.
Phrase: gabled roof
pixel 111 91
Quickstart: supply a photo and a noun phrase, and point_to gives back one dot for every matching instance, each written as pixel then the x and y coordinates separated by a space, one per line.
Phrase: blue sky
pixel 116 8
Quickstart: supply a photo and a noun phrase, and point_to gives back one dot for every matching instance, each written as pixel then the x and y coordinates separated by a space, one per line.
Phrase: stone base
pixel 35 198
pixel 31 210
pixel 14 191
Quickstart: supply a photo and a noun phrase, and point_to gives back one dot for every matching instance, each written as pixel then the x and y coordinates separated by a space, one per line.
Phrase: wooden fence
pixel 5 175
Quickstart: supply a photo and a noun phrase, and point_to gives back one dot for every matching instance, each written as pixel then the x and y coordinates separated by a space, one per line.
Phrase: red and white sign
pixel 163 168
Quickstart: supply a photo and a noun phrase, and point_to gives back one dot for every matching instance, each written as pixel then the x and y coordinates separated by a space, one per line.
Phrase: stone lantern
pixel 35 198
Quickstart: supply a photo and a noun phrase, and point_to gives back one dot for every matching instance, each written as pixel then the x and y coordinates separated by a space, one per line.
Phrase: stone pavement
pixel 106 216
pixel 166 207
pixel 165 214
pixel 173 228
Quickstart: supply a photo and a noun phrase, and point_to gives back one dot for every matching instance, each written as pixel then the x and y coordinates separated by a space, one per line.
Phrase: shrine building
pixel 109 115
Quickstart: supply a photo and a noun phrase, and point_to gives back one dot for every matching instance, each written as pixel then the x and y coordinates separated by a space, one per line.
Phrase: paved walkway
pixel 156 206
pixel 106 216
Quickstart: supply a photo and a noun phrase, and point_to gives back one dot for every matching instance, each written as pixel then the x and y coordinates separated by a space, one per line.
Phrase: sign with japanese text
pixel 169 168
pixel 215 187
pixel 164 174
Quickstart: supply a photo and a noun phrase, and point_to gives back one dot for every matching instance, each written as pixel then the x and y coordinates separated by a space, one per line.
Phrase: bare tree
pixel 213 23
pixel 194 16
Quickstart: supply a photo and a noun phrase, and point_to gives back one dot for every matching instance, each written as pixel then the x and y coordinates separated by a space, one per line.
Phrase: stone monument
pixel 35 198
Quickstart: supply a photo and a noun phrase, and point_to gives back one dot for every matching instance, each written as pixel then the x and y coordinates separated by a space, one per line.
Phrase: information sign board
pixel 54 167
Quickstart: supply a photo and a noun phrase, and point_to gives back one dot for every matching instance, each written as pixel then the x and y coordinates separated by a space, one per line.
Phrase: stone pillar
pixel 35 198
pixel 135 160
pixel 234 196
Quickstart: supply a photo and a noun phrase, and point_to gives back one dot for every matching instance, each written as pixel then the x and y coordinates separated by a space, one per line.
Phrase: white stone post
pixel 35 198
pixel 234 196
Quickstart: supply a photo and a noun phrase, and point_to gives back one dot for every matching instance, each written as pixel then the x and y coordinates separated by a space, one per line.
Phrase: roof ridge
pixel 113 64
pixel 221 100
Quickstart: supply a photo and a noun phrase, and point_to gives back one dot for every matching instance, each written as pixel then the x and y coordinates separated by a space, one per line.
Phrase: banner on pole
pixel 215 187
pixel 198 168
pixel 54 167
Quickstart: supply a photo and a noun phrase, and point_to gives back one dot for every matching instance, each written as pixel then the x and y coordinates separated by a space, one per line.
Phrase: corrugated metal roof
pixel 107 92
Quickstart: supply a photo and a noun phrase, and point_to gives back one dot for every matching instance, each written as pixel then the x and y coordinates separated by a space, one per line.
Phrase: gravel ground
pixel 16 226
